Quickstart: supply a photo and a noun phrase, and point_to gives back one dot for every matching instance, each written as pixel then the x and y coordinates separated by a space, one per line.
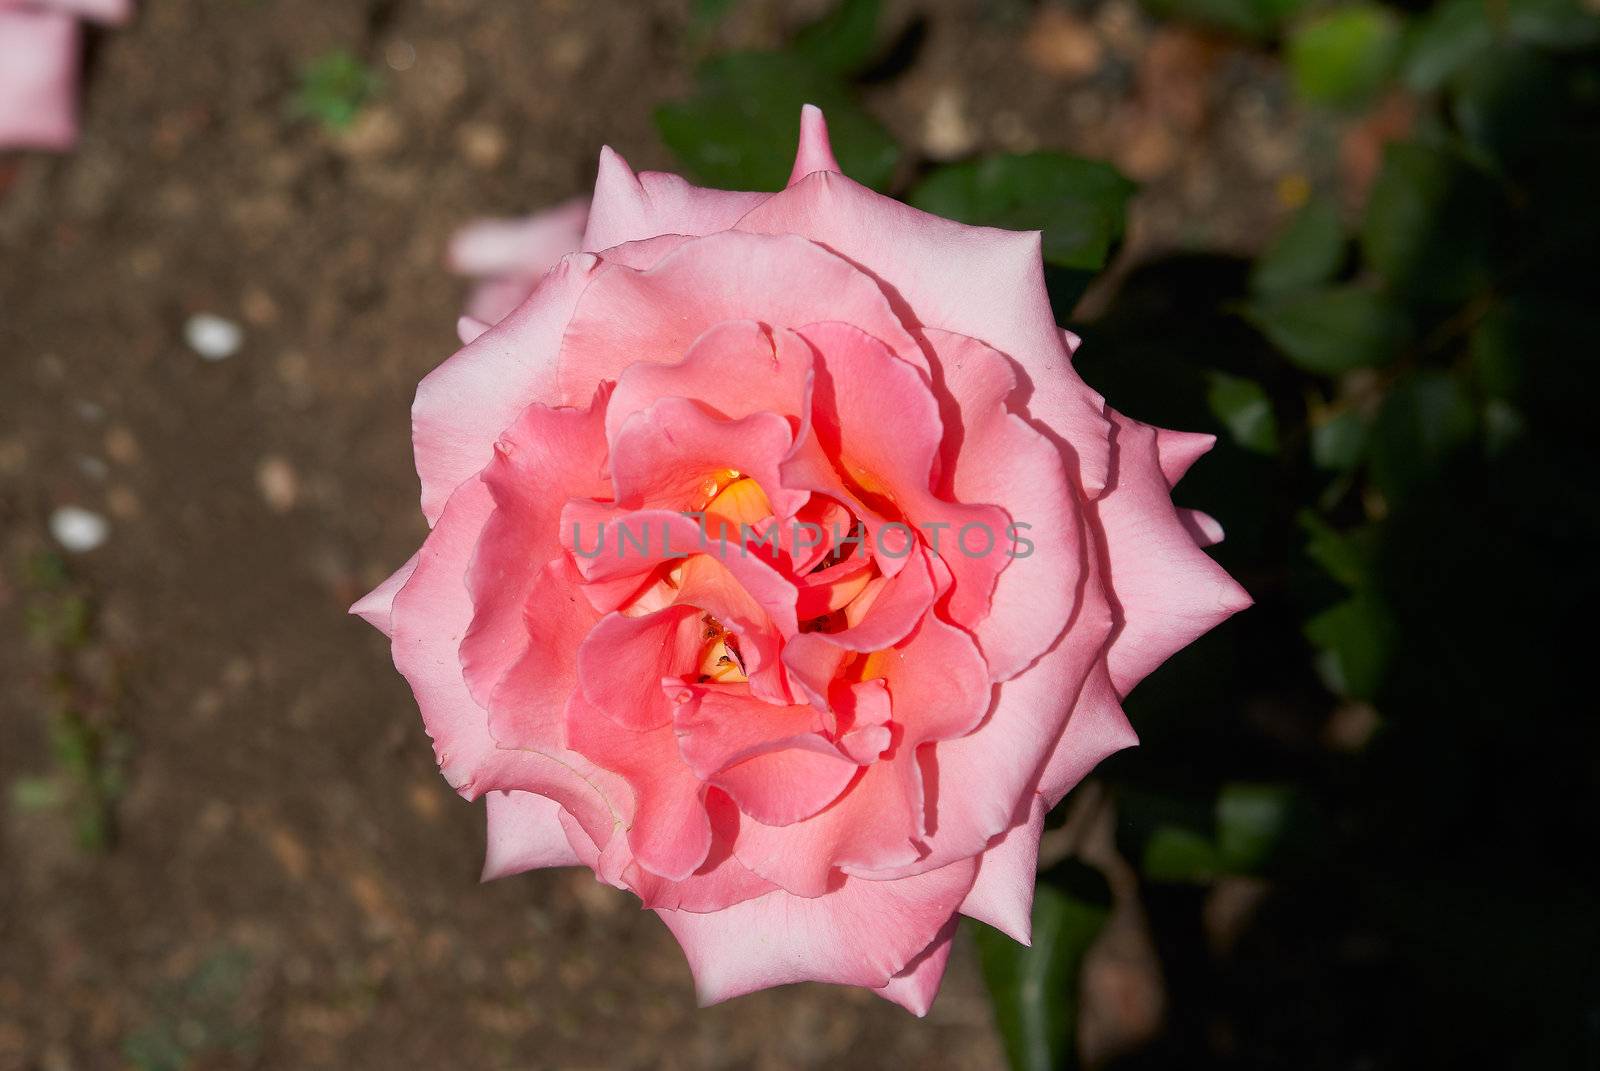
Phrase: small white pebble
pixel 77 529
pixel 213 337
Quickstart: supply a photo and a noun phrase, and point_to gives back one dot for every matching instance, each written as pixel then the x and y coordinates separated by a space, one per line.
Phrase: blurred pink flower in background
pixel 508 257
pixel 40 50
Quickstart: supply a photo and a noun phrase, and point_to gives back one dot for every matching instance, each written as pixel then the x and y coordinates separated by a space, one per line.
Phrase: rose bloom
pixel 807 755
pixel 39 58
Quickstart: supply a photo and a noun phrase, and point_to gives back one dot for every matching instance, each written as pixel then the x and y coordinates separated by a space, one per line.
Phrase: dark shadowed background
pixel 1358 831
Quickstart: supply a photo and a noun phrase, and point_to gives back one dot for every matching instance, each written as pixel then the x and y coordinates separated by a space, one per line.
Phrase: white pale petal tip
pixel 212 336
pixel 77 529
pixel 469 329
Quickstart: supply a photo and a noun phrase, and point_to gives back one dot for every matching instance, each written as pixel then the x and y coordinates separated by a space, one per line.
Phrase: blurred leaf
pixel 1343 57
pixel 1241 832
pixel 332 89
pixel 36 794
pixel 1345 556
pixel 1331 330
pixel 1035 990
pixel 843 41
pixel 709 12
pixel 1354 640
pixel 1555 24
pixel 1511 106
pixel 1080 205
pixel 1244 409
pixel 1253 18
pixel 1307 253
pixel 1251 822
pixel 740 128
pixel 1177 853
pixel 1424 420
pixel 1428 220
pixel 1338 443
pixel 1445 40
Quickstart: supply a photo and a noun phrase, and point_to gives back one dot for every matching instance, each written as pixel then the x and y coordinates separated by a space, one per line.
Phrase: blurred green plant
pixel 89 746
pixel 738 129
pixel 332 89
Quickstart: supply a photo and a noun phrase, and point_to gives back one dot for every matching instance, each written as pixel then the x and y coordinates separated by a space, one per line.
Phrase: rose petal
pixel 859 933
pixel 524 834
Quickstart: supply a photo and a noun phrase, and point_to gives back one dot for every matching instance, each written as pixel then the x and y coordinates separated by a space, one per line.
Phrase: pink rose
pixel 808 753
pixel 39 57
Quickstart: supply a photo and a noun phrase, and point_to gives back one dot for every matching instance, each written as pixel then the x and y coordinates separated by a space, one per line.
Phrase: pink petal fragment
pixel 38 80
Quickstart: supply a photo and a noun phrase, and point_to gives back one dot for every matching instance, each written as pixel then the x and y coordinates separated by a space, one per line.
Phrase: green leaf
pixel 1332 330
pixel 1345 556
pixel 1338 443
pixel 740 128
pixel 1307 253
pixel 1354 641
pixel 1427 225
pixel 844 40
pixel 1344 56
pixel 1445 40
pixel 1425 419
pixel 1035 989
pixel 1080 205
pixel 1244 409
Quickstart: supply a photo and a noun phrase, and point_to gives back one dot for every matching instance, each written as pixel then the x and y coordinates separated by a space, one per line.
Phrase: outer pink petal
pixel 815 151
pixel 429 615
pixel 670 834
pixel 1170 592
pixel 376 605
pixel 38 80
pixel 1002 895
pixel 1097 729
pixel 464 405
pixel 918 982
pixel 656 315
pixel 1008 752
pixel 629 207
pixel 1180 449
pixel 981 282
pixel 544 458
pixel 524 834
pixel 996 456
pixel 860 933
